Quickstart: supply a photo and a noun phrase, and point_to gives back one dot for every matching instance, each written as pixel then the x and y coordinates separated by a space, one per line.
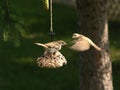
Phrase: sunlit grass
pixel 25 60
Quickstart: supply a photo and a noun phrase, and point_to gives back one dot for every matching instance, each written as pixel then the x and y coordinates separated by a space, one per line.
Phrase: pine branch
pixel 11 23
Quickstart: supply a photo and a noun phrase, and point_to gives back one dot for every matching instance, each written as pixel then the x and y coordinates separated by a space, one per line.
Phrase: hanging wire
pixel 51 21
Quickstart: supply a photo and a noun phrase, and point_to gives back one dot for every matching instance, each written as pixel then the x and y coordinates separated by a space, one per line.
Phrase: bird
pixel 54 44
pixel 82 43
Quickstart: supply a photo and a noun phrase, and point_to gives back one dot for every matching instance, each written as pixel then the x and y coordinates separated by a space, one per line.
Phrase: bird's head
pixel 76 35
pixel 61 42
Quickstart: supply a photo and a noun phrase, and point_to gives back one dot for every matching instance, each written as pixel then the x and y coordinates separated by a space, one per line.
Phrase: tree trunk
pixel 95 66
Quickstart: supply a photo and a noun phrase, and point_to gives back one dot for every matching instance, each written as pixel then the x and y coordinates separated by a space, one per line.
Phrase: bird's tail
pixel 40 44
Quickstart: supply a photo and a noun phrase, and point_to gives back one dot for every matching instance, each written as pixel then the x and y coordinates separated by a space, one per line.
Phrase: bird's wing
pixel 92 43
pixel 80 45
pixel 55 45
pixel 40 44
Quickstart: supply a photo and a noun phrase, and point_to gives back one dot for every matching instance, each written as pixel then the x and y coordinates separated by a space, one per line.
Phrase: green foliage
pixel 11 34
pixel 11 24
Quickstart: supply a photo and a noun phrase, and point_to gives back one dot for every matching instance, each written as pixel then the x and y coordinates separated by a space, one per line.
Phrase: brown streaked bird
pixel 55 44
pixel 82 43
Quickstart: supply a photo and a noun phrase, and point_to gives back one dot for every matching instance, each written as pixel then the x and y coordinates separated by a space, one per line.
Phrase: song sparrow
pixel 55 44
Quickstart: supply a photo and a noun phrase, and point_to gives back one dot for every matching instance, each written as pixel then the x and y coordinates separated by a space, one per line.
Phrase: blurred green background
pixel 18 69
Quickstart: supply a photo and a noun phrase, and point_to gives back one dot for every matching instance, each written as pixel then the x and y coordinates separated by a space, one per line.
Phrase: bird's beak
pixel 65 43
pixel 73 36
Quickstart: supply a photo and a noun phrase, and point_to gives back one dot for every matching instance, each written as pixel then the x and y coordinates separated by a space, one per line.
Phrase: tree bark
pixel 95 66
